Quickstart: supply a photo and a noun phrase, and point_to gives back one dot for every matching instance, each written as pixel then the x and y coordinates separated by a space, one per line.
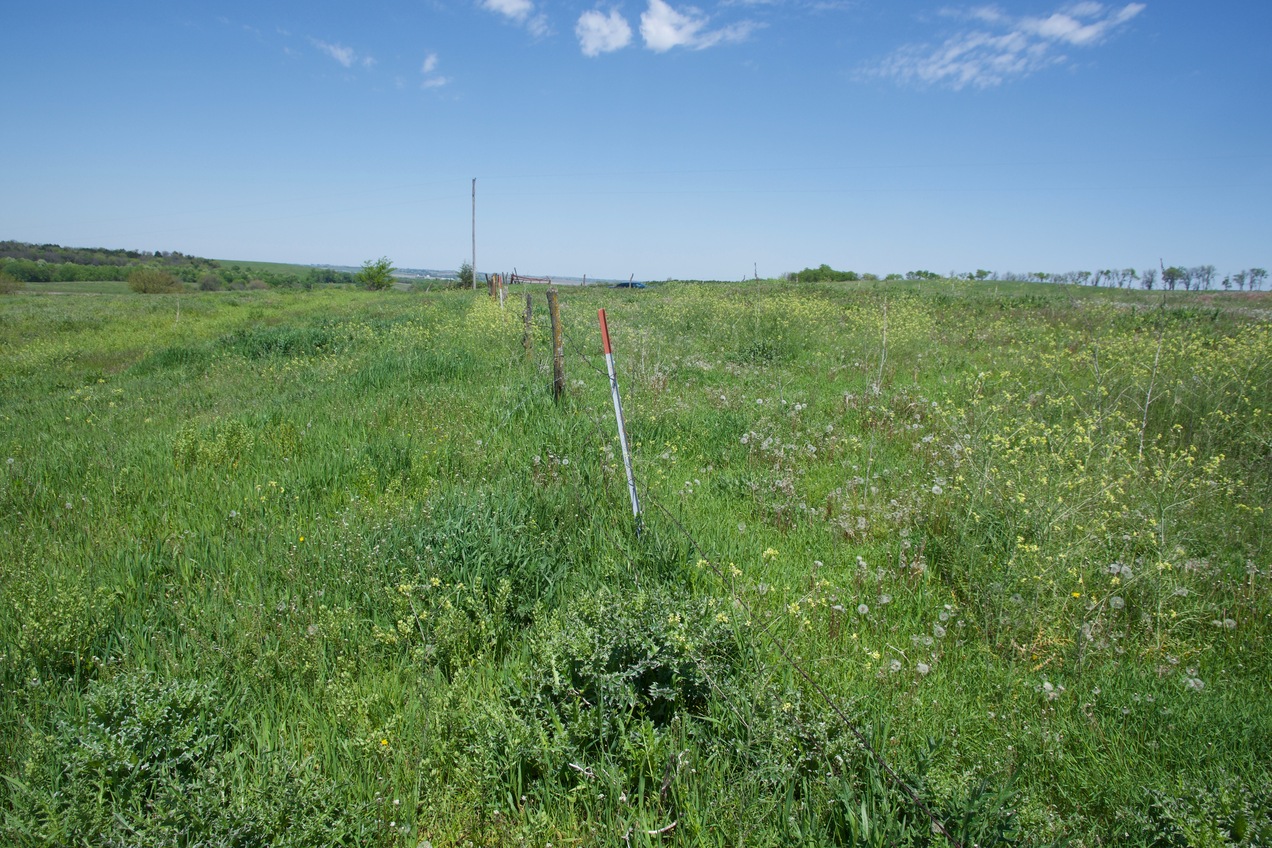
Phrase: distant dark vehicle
pixel 629 285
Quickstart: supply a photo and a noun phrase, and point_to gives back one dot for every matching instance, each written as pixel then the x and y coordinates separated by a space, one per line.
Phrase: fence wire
pixel 768 632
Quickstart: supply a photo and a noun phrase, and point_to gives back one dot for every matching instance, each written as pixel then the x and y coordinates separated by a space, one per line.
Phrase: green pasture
pixel 80 286
pixel 919 564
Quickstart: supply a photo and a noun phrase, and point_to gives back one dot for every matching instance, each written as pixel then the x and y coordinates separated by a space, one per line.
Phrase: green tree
pixel 9 284
pixel 465 275
pixel 1173 276
pixel 376 274
pixel 146 279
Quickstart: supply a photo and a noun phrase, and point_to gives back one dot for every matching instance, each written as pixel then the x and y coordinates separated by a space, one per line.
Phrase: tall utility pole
pixel 474 233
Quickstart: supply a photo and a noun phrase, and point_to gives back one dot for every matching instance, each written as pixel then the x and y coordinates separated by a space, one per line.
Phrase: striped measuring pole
pixel 618 414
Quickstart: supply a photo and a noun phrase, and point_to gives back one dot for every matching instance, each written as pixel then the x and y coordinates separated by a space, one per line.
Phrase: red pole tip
pixel 604 331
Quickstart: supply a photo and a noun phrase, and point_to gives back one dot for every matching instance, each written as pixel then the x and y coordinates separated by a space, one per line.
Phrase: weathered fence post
pixel 527 337
pixel 558 346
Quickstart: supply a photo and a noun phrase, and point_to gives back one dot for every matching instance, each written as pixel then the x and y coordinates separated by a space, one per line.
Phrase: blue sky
pixel 651 137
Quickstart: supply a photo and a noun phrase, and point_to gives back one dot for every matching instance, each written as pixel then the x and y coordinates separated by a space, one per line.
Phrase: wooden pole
pixel 527 337
pixel 558 346
pixel 474 234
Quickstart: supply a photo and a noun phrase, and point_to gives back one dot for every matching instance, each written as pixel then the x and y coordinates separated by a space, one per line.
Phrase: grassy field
pixel 332 568
pixel 80 286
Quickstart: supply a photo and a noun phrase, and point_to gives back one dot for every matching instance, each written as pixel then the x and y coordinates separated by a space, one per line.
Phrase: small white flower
pixel 894 666
pixel 862 609
pixel 884 600
pixel 938 631
pixel 923 668
pixel 1116 602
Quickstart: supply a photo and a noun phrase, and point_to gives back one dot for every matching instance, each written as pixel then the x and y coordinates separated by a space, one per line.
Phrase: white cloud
pixel 663 28
pixel 517 10
pixel 429 69
pixel 600 33
pixel 1070 27
pixel 1015 47
pixel 343 55
pixel 520 12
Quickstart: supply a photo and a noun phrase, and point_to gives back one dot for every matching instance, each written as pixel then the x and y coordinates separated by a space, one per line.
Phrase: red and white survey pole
pixel 618 414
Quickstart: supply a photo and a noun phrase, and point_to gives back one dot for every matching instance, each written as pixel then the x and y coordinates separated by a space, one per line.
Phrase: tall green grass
pixel 332 567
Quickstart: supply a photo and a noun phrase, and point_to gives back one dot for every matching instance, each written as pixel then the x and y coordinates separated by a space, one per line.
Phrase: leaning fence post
pixel 618 415
pixel 527 336
pixel 558 346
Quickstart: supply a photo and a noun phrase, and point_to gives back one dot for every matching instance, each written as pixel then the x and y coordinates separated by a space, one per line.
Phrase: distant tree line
pixel 51 263
pixel 1172 278
pixel 55 254
pixel 1197 278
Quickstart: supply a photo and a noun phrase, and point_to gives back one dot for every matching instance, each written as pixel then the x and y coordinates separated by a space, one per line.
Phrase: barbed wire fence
pixel 601 429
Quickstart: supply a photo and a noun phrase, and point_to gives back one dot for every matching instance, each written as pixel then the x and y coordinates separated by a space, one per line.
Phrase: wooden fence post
pixel 527 337
pixel 558 346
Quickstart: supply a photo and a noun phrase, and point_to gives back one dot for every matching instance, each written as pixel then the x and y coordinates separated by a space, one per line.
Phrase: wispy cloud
pixel 432 79
pixel 664 28
pixel 600 33
pixel 996 47
pixel 344 55
pixel 521 12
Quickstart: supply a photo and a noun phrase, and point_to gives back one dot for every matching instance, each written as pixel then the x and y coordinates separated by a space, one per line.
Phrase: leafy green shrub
pixel 9 284
pixel 614 659
pixel 138 732
pixel 145 279
pixel 376 274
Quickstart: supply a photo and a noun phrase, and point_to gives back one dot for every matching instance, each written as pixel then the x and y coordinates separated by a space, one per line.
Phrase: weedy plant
pixel 333 567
